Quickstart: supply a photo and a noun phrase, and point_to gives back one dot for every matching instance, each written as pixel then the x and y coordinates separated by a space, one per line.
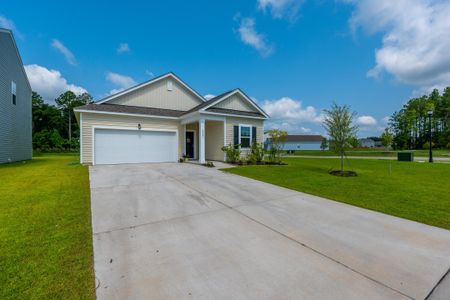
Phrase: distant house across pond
pixel 300 142
pixel 371 142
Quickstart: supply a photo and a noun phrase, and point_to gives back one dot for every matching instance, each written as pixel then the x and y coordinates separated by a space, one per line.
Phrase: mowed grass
pixel 411 190
pixel 45 230
pixel 373 153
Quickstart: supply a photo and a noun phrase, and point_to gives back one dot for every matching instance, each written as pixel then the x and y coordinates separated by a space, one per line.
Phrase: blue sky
pixel 294 57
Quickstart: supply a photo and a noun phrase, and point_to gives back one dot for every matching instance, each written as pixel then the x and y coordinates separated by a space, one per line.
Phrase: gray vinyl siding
pixel 15 120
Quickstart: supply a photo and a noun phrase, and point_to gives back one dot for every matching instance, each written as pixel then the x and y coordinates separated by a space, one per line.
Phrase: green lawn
pixel 415 191
pixel 374 152
pixel 45 229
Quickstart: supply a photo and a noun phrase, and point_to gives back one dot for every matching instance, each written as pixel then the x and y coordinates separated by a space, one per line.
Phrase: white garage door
pixel 113 146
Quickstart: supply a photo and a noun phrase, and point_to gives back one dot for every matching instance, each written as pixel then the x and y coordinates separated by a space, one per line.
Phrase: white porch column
pixel 201 141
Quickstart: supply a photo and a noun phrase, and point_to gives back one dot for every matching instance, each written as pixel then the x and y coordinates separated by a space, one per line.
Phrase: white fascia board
pixel 123 114
pixel 148 83
pixel 232 115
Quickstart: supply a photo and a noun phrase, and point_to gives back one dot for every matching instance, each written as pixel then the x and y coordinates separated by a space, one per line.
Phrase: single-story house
pixel 301 142
pixel 15 103
pixel 164 119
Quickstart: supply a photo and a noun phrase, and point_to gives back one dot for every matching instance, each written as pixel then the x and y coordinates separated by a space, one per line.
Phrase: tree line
pixel 54 126
pixel 410 126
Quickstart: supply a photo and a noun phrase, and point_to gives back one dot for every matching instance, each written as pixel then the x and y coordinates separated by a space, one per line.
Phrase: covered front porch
pixel 204 137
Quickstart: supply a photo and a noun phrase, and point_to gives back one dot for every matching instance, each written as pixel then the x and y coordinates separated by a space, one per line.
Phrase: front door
pixel 190 144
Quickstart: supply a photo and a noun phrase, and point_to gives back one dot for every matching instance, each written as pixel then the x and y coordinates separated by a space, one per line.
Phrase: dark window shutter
pixel 254 134
pixel 236 135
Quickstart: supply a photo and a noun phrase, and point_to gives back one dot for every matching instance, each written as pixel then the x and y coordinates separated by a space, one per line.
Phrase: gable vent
pixel 169 85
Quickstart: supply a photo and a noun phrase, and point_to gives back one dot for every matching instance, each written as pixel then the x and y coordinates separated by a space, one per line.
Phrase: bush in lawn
pixel 48 140
pixel 256 153
pixel 427 145
pixel 233 153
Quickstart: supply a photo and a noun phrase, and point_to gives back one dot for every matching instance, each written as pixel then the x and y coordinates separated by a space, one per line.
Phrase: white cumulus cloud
pixel 366 121
pixel 281 9
pixel 9 24
pixel 64 51
pixel 287 108
pixel 416 39
pixel 123 48
pixel 209 96
pixel 289 115
pixel 251 37
pixel 49 83
pixel 121 81
pixel 6 23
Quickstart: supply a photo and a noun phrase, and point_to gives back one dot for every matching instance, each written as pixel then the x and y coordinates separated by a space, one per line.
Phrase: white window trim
pixel 245 125
pixel 13 92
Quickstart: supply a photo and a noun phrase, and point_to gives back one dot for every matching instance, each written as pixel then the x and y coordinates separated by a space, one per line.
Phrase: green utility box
pixel 405 156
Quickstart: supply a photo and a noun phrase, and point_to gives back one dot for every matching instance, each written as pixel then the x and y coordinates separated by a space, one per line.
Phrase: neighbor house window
pixel 169 85
pixel 245 136
pixel 13 92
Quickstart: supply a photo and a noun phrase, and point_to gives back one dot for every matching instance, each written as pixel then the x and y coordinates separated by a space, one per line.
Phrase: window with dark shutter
pixel 254 134
pixel 236 135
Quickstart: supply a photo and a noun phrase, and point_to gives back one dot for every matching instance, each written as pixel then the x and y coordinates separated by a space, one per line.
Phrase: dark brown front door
pixel 190 144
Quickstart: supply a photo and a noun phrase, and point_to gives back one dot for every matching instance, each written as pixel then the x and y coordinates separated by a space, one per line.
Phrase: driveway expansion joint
pixel 438 283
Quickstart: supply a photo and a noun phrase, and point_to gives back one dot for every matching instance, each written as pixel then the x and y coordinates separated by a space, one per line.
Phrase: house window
pixel 245 136
pixel 13 92
pixel 169 85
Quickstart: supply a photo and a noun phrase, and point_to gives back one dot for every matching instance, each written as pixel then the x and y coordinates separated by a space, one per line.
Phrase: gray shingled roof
pixel 105 107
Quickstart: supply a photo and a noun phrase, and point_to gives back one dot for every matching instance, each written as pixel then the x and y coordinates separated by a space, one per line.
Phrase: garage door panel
pixel 134 146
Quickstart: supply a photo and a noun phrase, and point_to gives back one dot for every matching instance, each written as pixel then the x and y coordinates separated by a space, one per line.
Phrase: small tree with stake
pixel 277 140
pixel 339 124
pixel 387 138
pixel 324 144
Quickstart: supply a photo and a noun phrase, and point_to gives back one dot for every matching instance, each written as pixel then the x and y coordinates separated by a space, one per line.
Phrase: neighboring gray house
pixel 301 142
pixel 15 103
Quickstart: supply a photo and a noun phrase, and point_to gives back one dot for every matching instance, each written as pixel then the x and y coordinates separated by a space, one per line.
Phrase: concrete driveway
pixel 182 231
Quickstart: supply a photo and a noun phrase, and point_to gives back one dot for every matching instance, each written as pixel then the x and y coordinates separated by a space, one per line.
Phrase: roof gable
pixel 16 50
pixel 235 102
pixel 156 93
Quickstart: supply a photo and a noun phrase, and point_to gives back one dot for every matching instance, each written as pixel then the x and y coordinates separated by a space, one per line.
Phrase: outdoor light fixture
pixel 139 126
pixel 430 115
